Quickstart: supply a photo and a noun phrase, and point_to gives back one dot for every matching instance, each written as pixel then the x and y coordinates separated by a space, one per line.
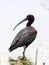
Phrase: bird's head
pixel 30 19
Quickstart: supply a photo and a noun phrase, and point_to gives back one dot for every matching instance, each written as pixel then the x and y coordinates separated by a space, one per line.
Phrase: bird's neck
pixel 28 23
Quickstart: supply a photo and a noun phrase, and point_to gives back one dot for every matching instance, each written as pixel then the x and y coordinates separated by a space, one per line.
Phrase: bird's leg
pixel 24 51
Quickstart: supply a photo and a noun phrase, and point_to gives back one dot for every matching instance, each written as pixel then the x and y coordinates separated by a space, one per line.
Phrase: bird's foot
pixel 24 58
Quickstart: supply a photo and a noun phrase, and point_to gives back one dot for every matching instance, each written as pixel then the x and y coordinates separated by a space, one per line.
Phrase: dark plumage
pixel 26 36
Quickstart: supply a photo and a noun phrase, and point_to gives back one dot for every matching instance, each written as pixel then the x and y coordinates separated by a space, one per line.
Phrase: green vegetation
pixel 20 61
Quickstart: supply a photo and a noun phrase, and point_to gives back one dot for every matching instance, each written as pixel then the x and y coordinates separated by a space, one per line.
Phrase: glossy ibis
pixel 25 36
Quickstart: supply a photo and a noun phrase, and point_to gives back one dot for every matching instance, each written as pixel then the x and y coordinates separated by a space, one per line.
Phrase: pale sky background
pixel 12 12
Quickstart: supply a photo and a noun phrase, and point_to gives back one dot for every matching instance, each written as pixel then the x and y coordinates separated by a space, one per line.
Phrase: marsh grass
pixel 20 61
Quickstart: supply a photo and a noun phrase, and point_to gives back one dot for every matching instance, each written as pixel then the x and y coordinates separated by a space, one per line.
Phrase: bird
pixel 25 36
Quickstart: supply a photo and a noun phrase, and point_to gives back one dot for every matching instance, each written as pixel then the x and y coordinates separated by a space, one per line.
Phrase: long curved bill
pixel 20 23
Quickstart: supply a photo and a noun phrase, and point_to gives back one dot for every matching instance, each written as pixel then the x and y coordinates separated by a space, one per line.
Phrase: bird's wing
pixel 14 41
pixel 17 37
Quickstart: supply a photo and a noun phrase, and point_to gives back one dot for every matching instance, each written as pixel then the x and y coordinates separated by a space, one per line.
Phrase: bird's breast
pixel 32 30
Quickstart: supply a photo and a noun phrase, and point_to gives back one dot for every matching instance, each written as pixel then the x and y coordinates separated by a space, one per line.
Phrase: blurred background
pixel 12 12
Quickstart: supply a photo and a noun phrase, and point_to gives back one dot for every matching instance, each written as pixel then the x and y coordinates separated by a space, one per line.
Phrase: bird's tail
pixel 12 48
